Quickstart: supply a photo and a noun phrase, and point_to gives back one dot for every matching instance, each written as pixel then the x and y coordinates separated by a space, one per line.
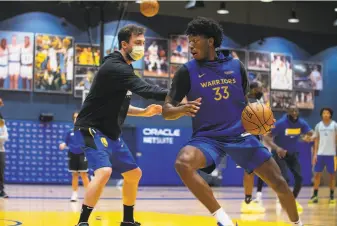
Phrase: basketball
pixel 257 118
pixel 149 8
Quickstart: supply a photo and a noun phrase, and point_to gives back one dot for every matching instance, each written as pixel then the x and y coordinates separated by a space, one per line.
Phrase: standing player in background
pixel 77 160
pixel 14 50
pixel 286 134
pixel 98 126
pixel 154 57
pixel 247 206
pixel 325 152
pixel 27 64
pixel 3 62
pixel 218 86
pixel 3 139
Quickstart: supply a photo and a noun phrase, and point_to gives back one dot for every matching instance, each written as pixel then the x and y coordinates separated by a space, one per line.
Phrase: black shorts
pixel 77 162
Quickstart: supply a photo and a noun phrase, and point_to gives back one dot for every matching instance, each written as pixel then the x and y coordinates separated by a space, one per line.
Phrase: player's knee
pixel 103 174
pixel 182 166
pixel 133 176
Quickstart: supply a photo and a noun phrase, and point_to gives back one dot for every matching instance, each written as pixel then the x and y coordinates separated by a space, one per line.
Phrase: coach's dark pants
pixel 2 170
pixel 290 161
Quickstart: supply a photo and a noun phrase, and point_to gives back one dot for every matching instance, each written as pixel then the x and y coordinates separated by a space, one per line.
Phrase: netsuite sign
pixel 160 136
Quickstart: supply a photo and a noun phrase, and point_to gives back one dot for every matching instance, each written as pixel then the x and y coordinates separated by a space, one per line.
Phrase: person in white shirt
pixel 324 154
pixel 14 50
pixel 316 79
pixel 3 62
pixel 3 139
pixel 154 57
pixel 27 64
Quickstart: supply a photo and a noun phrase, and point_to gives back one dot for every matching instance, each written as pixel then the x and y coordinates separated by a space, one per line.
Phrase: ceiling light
pixel 266 0
pixel 293 19
pixel 222 9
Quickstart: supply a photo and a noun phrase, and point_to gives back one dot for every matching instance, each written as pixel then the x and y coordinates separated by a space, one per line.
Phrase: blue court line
pixel 154 198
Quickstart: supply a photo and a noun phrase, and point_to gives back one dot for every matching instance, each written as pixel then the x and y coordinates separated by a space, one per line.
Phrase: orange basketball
pixel 149 8
pixel 257 118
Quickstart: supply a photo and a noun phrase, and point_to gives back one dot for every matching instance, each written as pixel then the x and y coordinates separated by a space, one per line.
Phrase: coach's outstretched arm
pixel 149 111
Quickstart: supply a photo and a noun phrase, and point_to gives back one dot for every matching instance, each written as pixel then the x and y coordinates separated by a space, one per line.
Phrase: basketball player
pixel 27 64
pixel 286 136
pixel 98 126
pixel 217 86
pixel 78 164
pixel 316 79
pixel 325 152
pixel 14 50
pixel 154 57
pixel 247 206
pixel 3 139
pixel 3 63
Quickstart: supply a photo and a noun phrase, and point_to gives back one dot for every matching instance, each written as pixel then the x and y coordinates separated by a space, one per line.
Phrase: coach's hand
pixel 191 108
pixel 281 153
pixel 153 109
pixel 314 160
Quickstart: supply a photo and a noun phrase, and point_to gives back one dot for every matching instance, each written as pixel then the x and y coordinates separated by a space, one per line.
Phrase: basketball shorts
pixel 247 151
pixel 14 68
pixel 325 161
pixel 77 162
pixel 26 71
pixel 101 151
pixel 3 72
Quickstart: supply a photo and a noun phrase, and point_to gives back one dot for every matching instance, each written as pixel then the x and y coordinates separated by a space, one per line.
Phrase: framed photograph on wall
pixel 281 71
pixel 240 54
pixel 308 75
pixel 259 61
pixel 264 79
pixel 84 75
pixel 111 45
pixel 281 100
pixel 179 51
pixel 173 69
pixel 54 64
pixel 156 58
pixel 16 60
pixel 87 54
pixel 304 99
pixel 161 82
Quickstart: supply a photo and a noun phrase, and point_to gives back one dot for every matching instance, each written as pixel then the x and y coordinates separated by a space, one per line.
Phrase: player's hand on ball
pixel 314 160
pixel 281 153
pixel 153 109
pixel 191 108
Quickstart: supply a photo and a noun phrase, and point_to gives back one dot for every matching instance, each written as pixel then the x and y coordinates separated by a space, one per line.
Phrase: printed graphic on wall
pixel 84 75
pixel 156 57
pixel 281 100
pixel 111 45
pixel 54 63
pixel 259 61
pixel 308 75
pixel 87 54
pixel 179 50
pixel 304 99
pixel 281 72
pixel 161 82
pixel 16 60
pixel 263 79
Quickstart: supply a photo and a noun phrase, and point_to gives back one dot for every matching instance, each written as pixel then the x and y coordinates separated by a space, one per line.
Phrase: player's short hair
pixel 254 85
pixel 326 109
pixel 206 27
pixel 126 32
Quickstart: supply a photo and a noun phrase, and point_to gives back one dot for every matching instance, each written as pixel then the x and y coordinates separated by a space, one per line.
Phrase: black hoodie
pixel 107 103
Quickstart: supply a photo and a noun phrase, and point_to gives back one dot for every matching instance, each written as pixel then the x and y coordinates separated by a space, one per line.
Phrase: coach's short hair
pixel 326 109
pixel 126 32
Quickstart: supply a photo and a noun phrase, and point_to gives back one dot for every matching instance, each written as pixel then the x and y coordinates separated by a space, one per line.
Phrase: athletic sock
pixel 315 192
pixel 332 192
pixel 128 214
pixel 298 223
pixel 222 217
pixel 85 213
pixel 248 199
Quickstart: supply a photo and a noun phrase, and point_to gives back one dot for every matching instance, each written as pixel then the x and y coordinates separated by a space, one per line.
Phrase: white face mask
pixel 137 53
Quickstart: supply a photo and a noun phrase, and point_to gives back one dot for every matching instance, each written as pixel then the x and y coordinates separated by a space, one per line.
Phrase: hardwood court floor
pixel 156 206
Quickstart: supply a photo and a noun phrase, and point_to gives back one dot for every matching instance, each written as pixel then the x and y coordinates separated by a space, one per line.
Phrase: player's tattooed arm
pixel 149 111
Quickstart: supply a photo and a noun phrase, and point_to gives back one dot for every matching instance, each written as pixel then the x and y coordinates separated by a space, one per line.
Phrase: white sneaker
pixel 258 199
pixel 74 197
